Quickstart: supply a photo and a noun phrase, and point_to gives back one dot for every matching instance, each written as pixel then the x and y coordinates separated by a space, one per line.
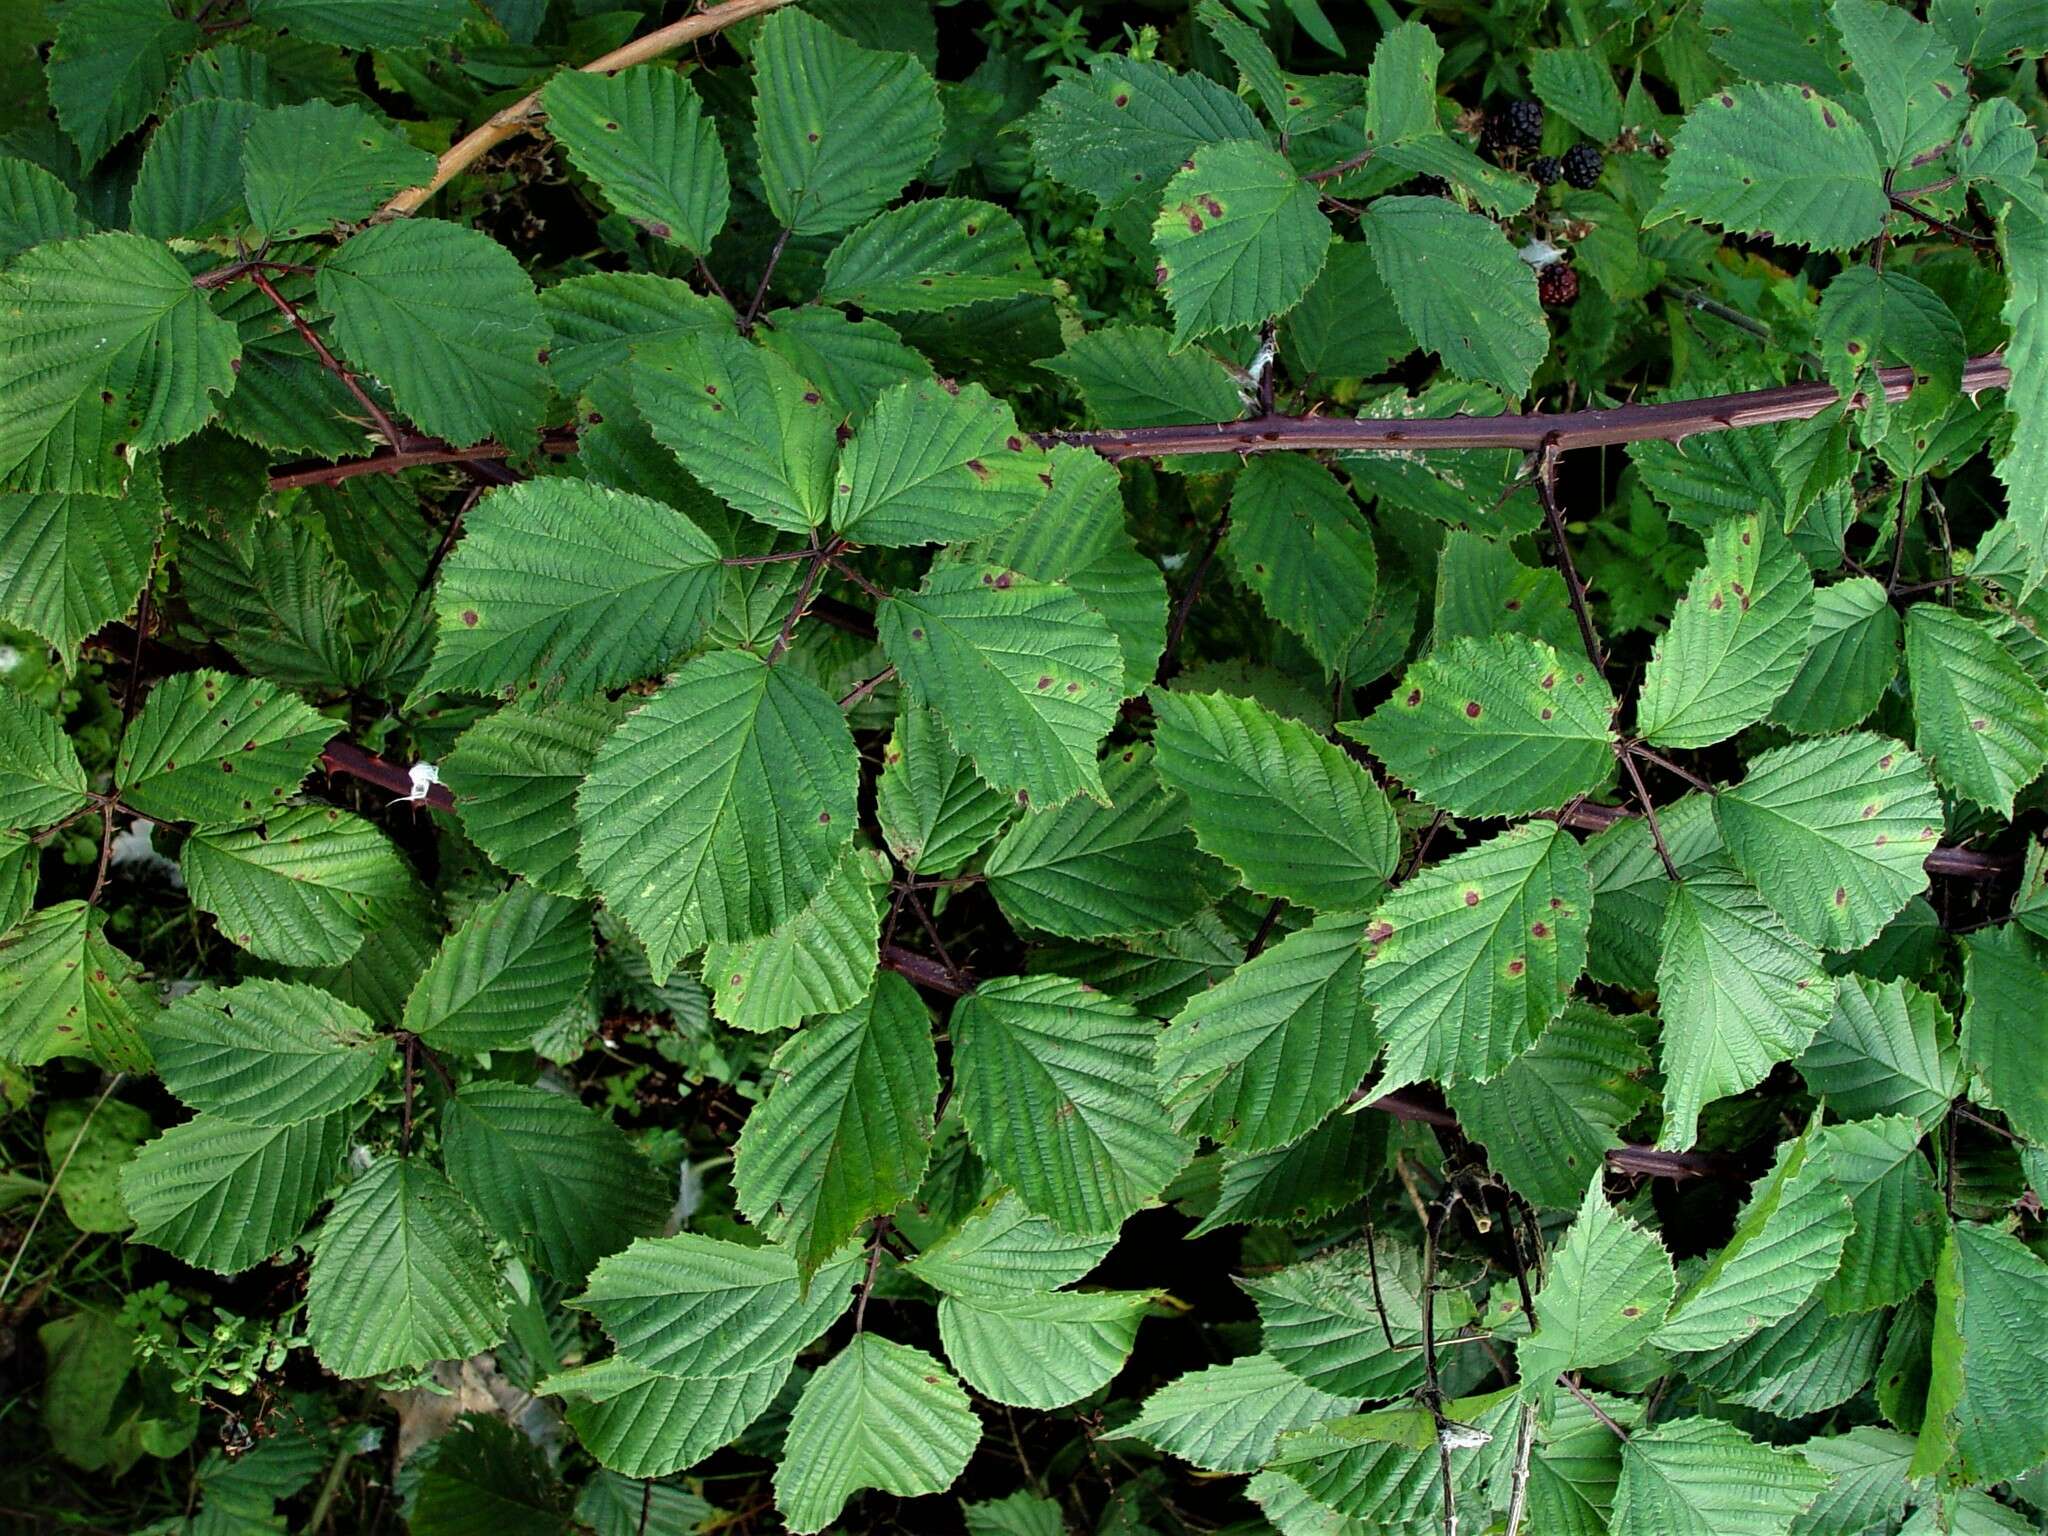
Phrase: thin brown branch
pixel 386 427
pixel 867 1284
pixel 524 113
pixel 1635 774
pixel 1575 589
pixel 797 608
pixel 343 756
pixel 1704 786
pixel 767 275
pixel 866 686
pixel 1939 226
pixel 1169 659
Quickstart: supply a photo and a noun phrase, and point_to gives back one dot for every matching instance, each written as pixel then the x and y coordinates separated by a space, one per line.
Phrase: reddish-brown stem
pixel 761 289
pixel 1266 925
pixel 1704 786
pixel 386 428
pixel 796 609
pixel 1575 589
pixel 1940 226
pixel 345 757
pixel 1635 775
pixel 1169 659
pixel 867 686
pixel 1341 168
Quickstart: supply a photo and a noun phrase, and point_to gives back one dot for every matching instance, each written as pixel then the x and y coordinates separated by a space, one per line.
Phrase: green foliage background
pixel 1021 767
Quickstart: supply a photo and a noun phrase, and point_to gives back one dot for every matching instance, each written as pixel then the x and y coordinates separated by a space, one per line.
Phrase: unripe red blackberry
pixel 1557 284
pixel 1546 170
pixel 1581 165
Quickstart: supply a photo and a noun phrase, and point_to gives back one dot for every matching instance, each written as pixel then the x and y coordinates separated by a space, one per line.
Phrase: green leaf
pixel 365 23
pixel 600 319
pixel 696 1306
pixel 1024 677
pixel 1296 105
pixel 1736 642
pixel 1483 590
pixel 1834 833
pixel 1041 1351
pixel 1632 891
pixel 2006 1009
pixel 1346 325
pixel 1056 1085
pixel 642 136
pixel 1385 1469
pixel 267 1053
pixel 1229 1418
pixel 212 748
pixel 1703 1475
pixel 1323 1319
pixel 302 887
pixel 111 63
pixel 226 1196
pixel 822 960
pixel 1887 1048
pixel 70 564
pixel 1552 1115
pixel 1577 85
pixel 1294 815
pixel 66 991
pixel 190 184
pixel 1911 81
pixel 35 208
pixel 570 588
pixel 1460 289
pixel 847 1125
pixel 485 1476
pixel 1867 1488
pixel 514 776
pixel 879 1415
pixel 1779 161
pixel 1302 1182
pixel 1468 960
pixel 446 317
pixel 744 422
pixel 934 810
pixel 1403 99
pixel 106 352
pixel 1262 1058
pixel 933 464
pixel 1605 1291
pixel 518 962
pixel 2023 249
pixel 1240 238
pixel 1131 376
pixel 1001 1249
pixel 932 255
pixel 1298 540
pixel 559 1182
pixel 841 128
pixel 1979 720
pixel 643 1424
pixel 41 779
pixel 310 167
pixel 1737 990
pixel 1787 1242
pixel 1495 727
pixel 1867 316
pixel 402 1275
pixel 1854 655
pixel 718 809
pixel 1898 1213
pixel 1120 130
pixel 1989 1357
pixel 1084 870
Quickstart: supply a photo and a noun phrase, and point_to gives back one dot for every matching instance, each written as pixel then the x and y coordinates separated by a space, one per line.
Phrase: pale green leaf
pixel 600 319
pixel 1495 727
pixel 1229 1418
pixel 643 137
pixel 446 317
pixel 1577 85
pixel 1738 991
pixel 935 812
pixel 1057 1088
pixel 212 748
pixel 932 255
pixel 1041 1351
pixel 1834 833
pixel 571 588
pixel 309 167
pixel 268 1053
pixel 720 807
pixel 1281 805
pixel 66 991
pixel 1024 677
pixel 1299 541
pixel 1703 1477
pixel 1120 130
pixel 106 351
pixel 841 128
pixel 1483 590
pixel 1898 1213
pixel 1605 1290
pixel 1736 641
pixel 514 776
pixel 70 564
pixel 643 1424
pixel 518 961
pixel 1001 1249
pixel 1241 236
pixel 1868 317
pixel 1632 890
pixel 41 779
pixel 934 464
pixel 1385 1469
pixel 1887 1048
pixel 401 1276
pixel 1468 960
pixel 847 1125
pixel 1979 720
pixel 560 1182
pixel 1323 1320
pixel 1990 1354
pixel 1854 656
pixel 1779 161
pixel 1867 1487
pixel 301 887
pixel 821 960
pixel 2005 1027
pixel 1131 376
pixel 111 63
pixel 1261 1059
pixel 1459 288
pixel 879 1415
pixel 1302 1182
pixel 1911 81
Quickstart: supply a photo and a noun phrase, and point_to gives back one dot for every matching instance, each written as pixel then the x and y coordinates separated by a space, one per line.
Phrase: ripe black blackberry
pixel 1582 165
pixel 1518 125
pixel 1546 170
pixel 1557 284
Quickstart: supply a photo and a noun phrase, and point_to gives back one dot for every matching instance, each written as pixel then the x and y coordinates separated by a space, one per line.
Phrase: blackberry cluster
pixel 1581 166
pixel 1546 170
pixel 1557 284
pixel 1518 125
